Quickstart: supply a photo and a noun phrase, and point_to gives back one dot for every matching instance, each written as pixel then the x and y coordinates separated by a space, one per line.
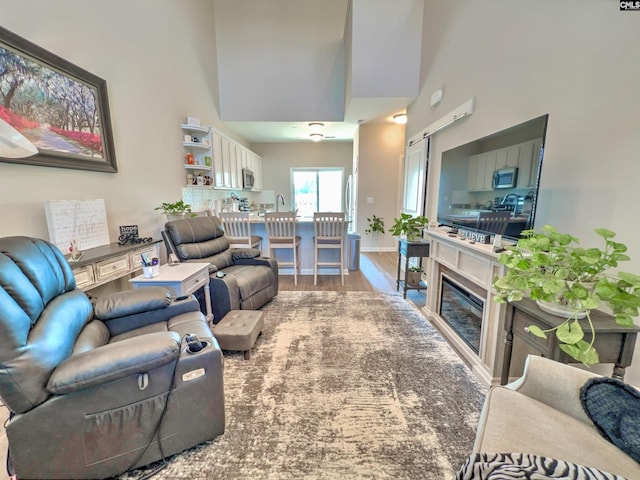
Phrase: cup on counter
pixel 151 271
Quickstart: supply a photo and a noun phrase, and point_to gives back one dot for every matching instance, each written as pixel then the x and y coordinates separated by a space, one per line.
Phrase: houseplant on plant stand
pixel 409 226
pixel 376 227
pixel 176 210
pixel 551 268
pixel 414 274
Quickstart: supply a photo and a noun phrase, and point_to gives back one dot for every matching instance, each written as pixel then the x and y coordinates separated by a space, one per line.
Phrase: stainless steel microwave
pixel 248 178
pixel 505 178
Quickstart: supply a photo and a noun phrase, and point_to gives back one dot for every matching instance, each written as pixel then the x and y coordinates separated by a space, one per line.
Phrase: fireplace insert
pixel 462 310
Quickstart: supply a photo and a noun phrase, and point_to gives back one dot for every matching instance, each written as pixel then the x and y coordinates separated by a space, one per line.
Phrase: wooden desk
pixel 417 249
pixel 614 343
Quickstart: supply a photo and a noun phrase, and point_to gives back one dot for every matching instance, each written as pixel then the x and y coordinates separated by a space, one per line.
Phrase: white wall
pixel 278 158
pixel 158 58
pixel 577 61
pixel 380 162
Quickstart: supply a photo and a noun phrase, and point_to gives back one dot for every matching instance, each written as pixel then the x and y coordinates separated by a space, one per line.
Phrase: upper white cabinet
pixel 415 164
pixel 524 156
pixel 196 142
pixel 224 159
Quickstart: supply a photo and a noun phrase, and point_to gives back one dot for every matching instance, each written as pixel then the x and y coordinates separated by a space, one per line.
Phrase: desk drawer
pixel 114 266
pixel 520 323
pixel 84 276
pixel 195 283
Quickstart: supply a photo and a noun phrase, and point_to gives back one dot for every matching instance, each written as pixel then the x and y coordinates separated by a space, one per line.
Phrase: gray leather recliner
pixel 95 390
pixel 249 281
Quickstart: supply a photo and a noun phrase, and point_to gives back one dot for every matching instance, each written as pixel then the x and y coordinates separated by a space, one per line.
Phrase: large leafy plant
pixel 408 225
pixel 551 267
pixel 176 208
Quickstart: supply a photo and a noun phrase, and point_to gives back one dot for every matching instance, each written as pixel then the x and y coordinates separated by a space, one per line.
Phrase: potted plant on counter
pixel 176 210
pixel 569 281
pixel 409 226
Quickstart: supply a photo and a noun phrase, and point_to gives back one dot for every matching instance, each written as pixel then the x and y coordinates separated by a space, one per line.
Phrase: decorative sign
pixel 474 236
pixel 129 234
pixel 81 221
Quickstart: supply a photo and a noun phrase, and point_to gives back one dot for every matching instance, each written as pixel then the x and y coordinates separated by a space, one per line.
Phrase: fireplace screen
pixel 462 310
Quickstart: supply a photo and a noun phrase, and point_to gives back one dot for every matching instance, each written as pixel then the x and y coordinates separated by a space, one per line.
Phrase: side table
pixel 614 343
pixel 182 279
pixel 418 249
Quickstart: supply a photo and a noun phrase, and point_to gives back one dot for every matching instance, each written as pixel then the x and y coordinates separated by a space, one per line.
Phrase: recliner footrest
pixel 239 330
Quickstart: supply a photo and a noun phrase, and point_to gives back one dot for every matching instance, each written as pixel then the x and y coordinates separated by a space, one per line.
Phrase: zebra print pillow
pixel 506 466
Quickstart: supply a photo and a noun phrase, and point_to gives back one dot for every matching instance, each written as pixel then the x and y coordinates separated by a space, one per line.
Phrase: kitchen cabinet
pixel 221 158
pixel 524 156
pixel 415 165
pixel 196 142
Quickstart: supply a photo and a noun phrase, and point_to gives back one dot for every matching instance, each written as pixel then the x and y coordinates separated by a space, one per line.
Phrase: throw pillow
pixel 507 466
pixel 614 408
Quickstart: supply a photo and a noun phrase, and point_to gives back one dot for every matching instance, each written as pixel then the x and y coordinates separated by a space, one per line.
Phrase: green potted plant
pixel 176 210
pixel 568 280
pixel 375 227
pixel 414 274
pixel 409 226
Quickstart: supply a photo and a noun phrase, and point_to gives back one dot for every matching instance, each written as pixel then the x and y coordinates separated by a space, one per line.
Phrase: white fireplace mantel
pixel 477 266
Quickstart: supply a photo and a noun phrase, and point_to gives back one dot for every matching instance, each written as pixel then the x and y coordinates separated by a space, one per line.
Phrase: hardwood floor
pixel 377 274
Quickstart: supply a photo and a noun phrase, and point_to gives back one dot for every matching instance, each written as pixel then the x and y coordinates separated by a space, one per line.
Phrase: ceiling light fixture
pixel 316 137
pixel 400 118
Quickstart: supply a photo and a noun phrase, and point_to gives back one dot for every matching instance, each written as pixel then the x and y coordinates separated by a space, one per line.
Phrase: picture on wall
pixel 60 108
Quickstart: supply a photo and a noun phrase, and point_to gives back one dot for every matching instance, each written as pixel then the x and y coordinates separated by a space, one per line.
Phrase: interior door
pixel 415 177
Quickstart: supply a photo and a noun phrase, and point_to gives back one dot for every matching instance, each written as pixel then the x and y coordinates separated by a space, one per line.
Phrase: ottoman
pixel 238 330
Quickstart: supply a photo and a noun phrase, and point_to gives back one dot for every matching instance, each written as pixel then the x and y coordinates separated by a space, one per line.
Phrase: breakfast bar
pixel 304 228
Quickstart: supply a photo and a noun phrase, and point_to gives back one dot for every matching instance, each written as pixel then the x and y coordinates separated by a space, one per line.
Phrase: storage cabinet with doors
pixel 415 171
pixel 198 155
pixel 221 158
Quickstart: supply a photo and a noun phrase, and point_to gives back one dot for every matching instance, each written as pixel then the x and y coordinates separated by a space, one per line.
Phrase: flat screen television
pixel 491 176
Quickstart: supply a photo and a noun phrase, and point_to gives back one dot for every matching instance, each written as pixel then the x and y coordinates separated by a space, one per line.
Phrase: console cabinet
pixel 106 263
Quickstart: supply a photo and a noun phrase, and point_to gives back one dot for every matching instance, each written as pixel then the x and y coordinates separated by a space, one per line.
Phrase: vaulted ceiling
pixel 285 63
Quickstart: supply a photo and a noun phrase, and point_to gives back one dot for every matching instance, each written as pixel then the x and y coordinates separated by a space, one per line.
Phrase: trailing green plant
pixel 376 224
pixel 409 225
pixel 549 266
pixel 416 268
pixel 176 208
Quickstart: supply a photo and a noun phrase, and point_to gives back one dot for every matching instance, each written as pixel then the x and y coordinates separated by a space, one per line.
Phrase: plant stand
pixel 614 343
pixel 418 249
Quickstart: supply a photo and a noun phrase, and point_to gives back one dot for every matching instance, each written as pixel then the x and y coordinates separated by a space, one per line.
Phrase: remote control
pixel 194 344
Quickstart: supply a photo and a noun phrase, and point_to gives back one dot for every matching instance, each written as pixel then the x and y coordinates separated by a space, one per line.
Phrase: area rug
pixel 341 385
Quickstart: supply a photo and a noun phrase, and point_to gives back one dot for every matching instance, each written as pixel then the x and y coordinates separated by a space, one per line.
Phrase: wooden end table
pixel 182 279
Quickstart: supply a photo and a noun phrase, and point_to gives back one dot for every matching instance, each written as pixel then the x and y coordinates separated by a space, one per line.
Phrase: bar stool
pixel 237 229
pixel 281 233
pixel 328 230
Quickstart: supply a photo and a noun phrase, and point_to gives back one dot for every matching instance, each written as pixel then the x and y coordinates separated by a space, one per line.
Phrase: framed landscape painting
pixel 60 108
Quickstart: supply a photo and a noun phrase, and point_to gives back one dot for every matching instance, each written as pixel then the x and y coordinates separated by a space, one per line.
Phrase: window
pixel 317 190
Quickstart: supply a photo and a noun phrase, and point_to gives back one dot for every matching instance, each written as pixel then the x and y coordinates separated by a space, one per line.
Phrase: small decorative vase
pixel 560 310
